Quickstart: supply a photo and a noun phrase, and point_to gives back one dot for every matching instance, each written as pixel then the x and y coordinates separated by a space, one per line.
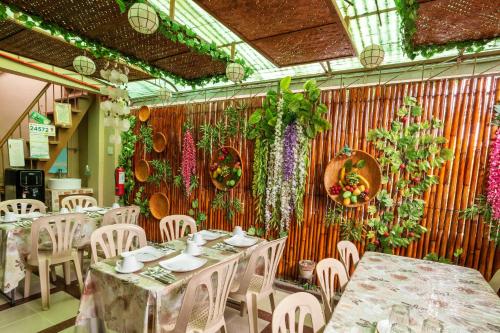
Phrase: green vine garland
pixel 408 11
pixel 170 29
pixel 125 159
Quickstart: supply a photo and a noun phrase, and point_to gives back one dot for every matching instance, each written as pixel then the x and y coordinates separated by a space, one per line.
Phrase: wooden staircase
pixel 80 102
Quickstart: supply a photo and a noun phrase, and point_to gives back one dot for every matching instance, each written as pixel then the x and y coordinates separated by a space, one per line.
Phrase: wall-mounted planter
pixel 159 205
pixel 159 142
pixel 226 168
pixel 144 113
pixel 142 170
pixel 371 177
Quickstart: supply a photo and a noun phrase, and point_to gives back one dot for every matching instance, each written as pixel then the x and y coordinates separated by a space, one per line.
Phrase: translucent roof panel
pixel 369 22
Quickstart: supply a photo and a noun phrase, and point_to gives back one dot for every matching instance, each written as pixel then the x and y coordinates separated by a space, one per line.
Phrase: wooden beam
pixel 172 10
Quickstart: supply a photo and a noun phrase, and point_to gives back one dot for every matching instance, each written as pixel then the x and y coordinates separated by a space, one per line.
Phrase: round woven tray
pixel 159 205
pixel 142 170
pixel 144 113
pixel 159 142
pixel 236 157
pixel 371 171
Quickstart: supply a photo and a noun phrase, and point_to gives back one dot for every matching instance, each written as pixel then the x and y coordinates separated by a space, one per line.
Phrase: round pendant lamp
pixel 164 95
pixel 235 72
pixel 372 56
pixel 143 18
pixel 84 65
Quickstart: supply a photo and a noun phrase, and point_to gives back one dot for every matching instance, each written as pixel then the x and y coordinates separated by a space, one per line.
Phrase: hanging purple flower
pixel 494 178
pixel 289 145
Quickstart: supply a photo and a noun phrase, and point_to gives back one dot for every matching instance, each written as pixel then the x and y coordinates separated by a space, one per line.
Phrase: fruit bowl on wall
pixel 226 168
pixel 353 180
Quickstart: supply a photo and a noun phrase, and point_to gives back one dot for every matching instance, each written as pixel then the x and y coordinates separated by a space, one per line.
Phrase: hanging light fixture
pixel 164 94
pixel 235 72
pixel 372 56
pixel 84 65
pixel 143 18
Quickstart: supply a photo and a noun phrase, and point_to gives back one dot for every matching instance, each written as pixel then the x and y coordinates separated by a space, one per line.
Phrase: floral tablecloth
pixel 136 303
pixel 15 245
pixel 458 296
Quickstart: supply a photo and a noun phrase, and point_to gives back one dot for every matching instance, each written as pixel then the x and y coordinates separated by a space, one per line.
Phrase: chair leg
pixel 272 301
pixel 67 273
pixel 43 269
pixel 27 281
pixel 242 308
pixel 253 312
pixel 53 274
pixel 78 270
pixel 223 329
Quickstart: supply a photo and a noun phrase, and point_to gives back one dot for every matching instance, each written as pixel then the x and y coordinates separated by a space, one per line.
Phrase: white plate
pixel 209 235
pixel 240 241
pixel 183 263
pixel 32 215
pixel 384 326
pixel 92 209
pixel 199 253
pixel 12 221
pixel 146 254
pixel 139 266
pixel 102 212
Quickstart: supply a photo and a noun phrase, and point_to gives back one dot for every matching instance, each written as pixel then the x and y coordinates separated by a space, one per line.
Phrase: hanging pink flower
pixel 188 164
pixel 494 178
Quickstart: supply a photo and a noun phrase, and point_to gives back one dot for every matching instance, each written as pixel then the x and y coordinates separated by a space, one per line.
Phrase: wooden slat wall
pixel 464 104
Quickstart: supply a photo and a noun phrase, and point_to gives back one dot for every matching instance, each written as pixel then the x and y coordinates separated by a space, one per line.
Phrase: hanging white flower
pixel 106 106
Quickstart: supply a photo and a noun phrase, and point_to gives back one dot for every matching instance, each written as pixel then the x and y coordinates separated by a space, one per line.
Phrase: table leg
pixel 11 298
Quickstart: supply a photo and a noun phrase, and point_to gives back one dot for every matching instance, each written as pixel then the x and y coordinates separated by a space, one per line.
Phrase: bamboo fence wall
pixel 464 104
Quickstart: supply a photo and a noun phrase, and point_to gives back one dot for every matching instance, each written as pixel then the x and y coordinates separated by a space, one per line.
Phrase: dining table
pixel 456 297
pixel 143 302
pixel 15 245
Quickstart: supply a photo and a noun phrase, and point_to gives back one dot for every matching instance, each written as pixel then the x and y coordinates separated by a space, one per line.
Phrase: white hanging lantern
pixel 106 105
pixel 117 122
pixel 114 76
pixel 125 125
pixel 84 65
pixel 372 56
pixel 143 18
pixel 111 138
pixel 117 108
pixel 235 72
pixel 105 74
pixel 164 94
pixel 126 110
pixel 107 121
pixel 118 139
pixel 123 78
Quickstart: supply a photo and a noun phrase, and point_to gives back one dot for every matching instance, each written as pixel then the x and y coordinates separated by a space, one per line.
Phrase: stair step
pixel 72 97
pixel 75 110
pixel 54 142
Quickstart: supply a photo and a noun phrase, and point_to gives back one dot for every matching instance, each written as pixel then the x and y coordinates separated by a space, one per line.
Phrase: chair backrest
pixel 174 227
pixel 270 254
pixel 216 281
pixel 61 230
pixel 331 273
pixel 84 201
pixel 122 215
pixel 22 206
pixel 115 239
pixel 285 314
pixel 495 281
pixel 348 253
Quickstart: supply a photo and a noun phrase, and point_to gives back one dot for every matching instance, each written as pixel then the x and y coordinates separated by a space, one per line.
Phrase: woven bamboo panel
pixel 465 105
pixel 101 21
pixel 442 21
pixel 288 32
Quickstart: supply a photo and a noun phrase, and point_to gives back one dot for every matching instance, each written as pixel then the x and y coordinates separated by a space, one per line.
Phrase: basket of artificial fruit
pixel 226 168
pixel 352 178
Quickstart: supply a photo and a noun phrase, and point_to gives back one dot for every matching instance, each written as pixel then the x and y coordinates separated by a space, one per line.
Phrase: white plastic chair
pixel 331 273
pixel 348 253
pixel 495 281
pixel 61 230
pixel 174 226
pixel 122 215
pixel 22 206
pixel 84 201
pixel 254 287
pixel 115 239
pixel 284 317
pixel 216 282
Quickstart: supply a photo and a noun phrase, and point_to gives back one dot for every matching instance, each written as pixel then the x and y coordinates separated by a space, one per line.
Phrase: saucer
pixel 139 266
pixel 200 252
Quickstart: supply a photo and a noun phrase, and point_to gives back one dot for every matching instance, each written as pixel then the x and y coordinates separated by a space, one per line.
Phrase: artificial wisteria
pixel 290 161
pixel 494 178
pixel 188 163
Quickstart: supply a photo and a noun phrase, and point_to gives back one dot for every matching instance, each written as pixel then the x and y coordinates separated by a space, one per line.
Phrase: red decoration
pixel 188 164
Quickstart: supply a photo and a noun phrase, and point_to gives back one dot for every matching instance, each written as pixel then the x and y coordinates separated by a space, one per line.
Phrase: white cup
pixel 128 263
pixel 192 248
pixel 79 209
pixel 198 238
pixel 238 231
pixel 64 210
pixel 115 205
pixel 10 217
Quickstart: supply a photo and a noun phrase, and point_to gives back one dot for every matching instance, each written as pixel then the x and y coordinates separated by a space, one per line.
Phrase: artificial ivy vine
pixel 125 159
pixel 146 136
pixel 410 149
pixel 170 29
pixel 408 12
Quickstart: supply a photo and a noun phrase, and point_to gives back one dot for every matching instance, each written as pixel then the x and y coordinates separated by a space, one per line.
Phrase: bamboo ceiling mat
pixel 30 44
pixel 288 32
pixel 101 21
pixel 443 21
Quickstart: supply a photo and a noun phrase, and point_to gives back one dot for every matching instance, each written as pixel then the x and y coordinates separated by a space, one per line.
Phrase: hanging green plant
pixel 408 12
pixel 125 159
pixel 350 229
pixel 410 149
pixel 222 200
pixel 195 212
pixel 143 203
pixel 282 130
pixel 162 171
pixel 146 136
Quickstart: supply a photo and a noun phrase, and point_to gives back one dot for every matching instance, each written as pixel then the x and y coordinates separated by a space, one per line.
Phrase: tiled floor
pixel 27 316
